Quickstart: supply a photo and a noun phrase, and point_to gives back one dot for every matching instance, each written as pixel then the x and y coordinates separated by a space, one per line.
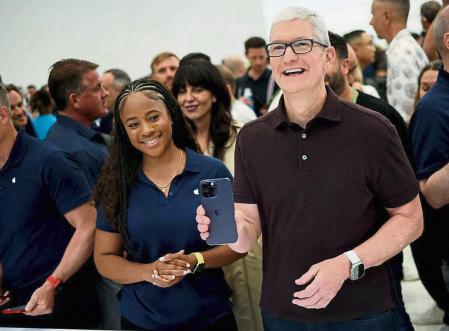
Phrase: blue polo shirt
pixel 158 225
pixel 87 147
pixel 38 185
pixel 429 129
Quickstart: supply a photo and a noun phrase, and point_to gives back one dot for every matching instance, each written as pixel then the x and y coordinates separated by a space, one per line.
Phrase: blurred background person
pixel 236 64
pixel 429 250
pixel 113 81
pixel 20 118
pixel 256 84
pixel 42 103
pixel 240 112
pixel 405 57
pixel 163 69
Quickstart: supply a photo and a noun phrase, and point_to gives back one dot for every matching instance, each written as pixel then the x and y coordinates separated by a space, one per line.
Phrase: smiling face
pixel 196 103
pixel 299 72
pixel 19 117
pixel 147 124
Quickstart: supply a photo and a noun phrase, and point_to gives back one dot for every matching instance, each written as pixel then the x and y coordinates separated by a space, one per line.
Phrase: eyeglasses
pixel 301 46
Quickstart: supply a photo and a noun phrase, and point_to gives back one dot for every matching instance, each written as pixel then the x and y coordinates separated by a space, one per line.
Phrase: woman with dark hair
pixel 205 103
pixel 147 198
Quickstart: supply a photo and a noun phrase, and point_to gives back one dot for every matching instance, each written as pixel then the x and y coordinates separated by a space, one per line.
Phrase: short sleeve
pixel 102 223
pixel 223 172
pixel 395 184
pixel 430 141
pixel 65 182
pixel 241 186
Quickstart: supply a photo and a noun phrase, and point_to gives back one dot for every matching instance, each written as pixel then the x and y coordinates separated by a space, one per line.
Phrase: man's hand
pixel 326 279
pixel 4 297
pixel 42 301
pixel 203 222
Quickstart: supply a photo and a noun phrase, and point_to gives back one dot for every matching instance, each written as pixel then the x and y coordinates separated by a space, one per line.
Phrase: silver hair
pixel 320 31
pixel 441 28
pixel 4 98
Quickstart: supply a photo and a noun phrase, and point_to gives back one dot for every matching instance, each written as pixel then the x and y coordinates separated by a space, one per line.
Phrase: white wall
pixel 128 33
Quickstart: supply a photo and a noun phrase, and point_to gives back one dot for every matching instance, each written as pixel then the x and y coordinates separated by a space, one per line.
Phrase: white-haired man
pixel 328 166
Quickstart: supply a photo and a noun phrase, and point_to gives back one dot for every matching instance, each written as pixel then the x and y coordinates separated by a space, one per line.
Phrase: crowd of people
pixel 338 151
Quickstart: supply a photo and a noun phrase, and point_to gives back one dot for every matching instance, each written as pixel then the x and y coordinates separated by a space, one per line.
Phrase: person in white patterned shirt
pixel 405 58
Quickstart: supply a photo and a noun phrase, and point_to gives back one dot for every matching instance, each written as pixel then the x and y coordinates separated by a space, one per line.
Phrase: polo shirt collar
pixel 18 150
pixel 193 165
pixel 266 74
pixel 443 76
pixel 330 111
pixel 78 127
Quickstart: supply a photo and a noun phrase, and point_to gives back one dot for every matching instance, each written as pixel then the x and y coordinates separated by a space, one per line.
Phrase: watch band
pixel 353 257
pixel 55 282
pixel 200 262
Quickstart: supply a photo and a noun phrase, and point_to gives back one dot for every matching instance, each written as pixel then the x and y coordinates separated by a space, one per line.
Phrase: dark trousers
pixel 385 321
pixel 403 319
pixel 429 252
pixel 225 323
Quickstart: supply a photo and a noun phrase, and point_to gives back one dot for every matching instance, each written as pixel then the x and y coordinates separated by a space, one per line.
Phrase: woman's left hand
pixel 170 274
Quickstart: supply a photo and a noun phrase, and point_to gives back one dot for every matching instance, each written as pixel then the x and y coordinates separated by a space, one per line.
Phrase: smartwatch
pixel 357 269
pixel 200 262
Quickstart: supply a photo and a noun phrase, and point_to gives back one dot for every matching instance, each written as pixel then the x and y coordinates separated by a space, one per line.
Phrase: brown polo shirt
pixel 316 190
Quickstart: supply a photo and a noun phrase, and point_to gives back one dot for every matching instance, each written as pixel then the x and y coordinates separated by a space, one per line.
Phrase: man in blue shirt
pixel 81 99
pixel 429 130
pixel 46 226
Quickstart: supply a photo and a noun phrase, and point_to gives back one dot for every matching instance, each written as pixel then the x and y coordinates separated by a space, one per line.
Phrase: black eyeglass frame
pixel 312 43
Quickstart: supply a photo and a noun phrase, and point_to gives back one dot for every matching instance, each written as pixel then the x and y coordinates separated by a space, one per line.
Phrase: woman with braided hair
pixel 147 198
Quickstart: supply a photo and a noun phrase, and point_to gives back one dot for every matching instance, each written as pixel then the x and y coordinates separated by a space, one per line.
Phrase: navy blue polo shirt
pixel 158 225
pixel 38 185
pixel 429 129
pixel 87 147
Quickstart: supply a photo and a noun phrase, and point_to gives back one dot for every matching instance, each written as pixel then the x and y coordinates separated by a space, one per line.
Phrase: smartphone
pixel 218 201
pixel 14 310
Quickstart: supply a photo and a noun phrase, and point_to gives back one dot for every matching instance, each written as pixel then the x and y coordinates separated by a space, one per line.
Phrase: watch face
pixel 357 271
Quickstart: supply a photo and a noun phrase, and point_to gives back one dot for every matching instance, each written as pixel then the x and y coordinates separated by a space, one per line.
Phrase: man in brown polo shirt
pixel 327 164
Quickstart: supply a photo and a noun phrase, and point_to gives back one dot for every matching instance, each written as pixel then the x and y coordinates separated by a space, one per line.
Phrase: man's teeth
pixel 293 71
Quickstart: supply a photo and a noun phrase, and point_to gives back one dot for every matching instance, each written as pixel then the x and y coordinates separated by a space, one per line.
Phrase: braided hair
pixel 120 170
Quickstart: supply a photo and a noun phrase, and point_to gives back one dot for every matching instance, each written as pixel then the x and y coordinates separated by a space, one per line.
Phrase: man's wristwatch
pixel 200 262
pixel 357 269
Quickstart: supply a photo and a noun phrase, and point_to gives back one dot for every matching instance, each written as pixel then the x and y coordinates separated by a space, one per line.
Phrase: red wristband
pixel 54 281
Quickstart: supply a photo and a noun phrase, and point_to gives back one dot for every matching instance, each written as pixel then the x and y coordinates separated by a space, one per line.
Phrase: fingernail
pixel 162 258
pixel 188 265
pixel 172 277
pixel 185 272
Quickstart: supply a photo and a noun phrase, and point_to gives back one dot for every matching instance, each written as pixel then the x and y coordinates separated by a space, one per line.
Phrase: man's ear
pixel 387 16
pixel 4 115
pixel 446 40
pixel 330 55
pixel 345 67
pixel 73 100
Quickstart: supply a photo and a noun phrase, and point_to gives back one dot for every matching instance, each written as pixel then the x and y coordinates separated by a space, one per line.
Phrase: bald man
pixel 405 58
